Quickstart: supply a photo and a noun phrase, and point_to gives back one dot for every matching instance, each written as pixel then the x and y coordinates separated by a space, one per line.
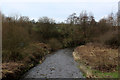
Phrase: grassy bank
pixel 31 55
pixel 97 61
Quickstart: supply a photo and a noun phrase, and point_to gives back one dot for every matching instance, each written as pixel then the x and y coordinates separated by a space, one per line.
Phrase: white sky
pixel 59 0
pixel 57 9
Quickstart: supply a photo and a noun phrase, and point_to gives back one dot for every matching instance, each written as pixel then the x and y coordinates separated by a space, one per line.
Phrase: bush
pixel 12 56
pixel 54 44
pixel 113 42
pixel 99 58
pixel 15 36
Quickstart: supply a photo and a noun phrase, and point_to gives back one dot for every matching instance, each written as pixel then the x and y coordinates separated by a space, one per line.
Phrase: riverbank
pixel 97 61
pixel 34 54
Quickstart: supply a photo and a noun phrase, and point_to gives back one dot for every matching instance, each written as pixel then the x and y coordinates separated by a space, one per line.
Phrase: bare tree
pixel 46 20
pixel 72 19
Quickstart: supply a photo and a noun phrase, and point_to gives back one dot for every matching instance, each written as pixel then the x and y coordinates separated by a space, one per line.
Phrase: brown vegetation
pixel 27 41
pixel 31 55
pixel 97 57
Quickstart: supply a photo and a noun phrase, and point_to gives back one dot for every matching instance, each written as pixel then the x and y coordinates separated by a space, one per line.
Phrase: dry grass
pixel 97 57
pixel 10 68
pixel 32 55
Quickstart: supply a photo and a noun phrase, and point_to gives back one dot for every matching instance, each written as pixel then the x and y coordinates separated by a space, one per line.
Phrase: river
pixel 60 64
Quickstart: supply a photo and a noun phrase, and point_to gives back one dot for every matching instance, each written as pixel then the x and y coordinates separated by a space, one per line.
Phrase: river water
pixel 58 65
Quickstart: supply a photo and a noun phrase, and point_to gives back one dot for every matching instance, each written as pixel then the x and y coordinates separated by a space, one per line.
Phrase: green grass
pixel 105 74
pixel 101 74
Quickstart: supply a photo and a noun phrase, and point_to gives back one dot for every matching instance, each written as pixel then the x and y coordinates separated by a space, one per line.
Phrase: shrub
pixel 14 38
pixel 54 44
pixel 11 56
pixel 113 42
pixel 100 58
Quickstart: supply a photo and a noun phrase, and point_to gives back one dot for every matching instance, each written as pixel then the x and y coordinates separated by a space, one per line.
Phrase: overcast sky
pixel 57 9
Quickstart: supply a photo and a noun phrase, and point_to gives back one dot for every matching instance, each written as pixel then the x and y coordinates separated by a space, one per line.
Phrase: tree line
pixel 19 31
